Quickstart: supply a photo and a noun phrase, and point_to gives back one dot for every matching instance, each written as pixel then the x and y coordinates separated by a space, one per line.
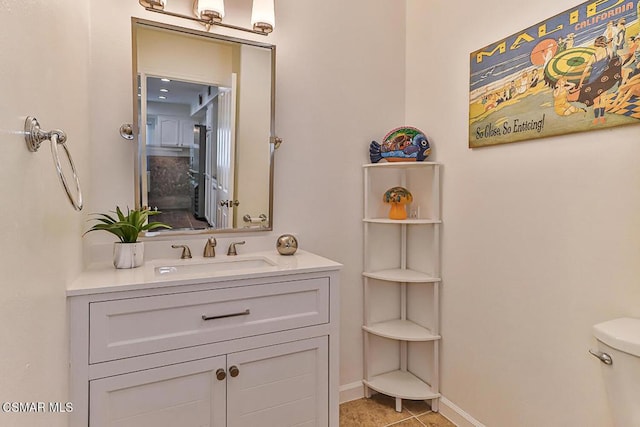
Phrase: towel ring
pixel 34 137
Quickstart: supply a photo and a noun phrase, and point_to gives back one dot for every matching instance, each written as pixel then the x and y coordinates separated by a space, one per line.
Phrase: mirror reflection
pixel 205 106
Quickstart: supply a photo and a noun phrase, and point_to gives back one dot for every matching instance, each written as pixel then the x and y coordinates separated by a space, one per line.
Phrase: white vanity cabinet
pixel 401 283
pixel 238 351
pixel 278 385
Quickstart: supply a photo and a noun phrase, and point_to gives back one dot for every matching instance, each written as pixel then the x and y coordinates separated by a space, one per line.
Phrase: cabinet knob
pixel 221 374
pixel 234 371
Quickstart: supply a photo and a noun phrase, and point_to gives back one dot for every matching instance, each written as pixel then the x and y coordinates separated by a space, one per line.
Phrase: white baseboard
pixel 353 391
pixel 456 415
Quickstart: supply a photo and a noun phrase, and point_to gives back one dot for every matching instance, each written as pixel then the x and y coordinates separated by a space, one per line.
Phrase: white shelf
pixel 403 385
pixel 418 221
pixel 402 165
pixel 416 292
pixel 402 330
pixel 401 275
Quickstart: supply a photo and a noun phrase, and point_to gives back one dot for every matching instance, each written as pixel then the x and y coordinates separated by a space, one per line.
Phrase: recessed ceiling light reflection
pixel 162 97
pixel 164 90
pixel 165 80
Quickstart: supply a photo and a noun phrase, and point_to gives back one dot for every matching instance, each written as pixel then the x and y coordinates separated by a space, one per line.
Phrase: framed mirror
pixel 204 120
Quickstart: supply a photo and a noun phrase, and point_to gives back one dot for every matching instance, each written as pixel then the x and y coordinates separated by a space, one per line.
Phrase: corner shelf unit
pixel 402 283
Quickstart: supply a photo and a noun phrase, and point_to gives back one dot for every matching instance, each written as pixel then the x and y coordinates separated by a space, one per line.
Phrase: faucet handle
pixel 232 248
pixel 186 252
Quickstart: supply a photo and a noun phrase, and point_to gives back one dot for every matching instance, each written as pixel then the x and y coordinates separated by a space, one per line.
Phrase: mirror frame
pixel 135 23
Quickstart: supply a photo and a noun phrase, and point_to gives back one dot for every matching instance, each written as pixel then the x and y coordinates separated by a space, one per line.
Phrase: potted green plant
pixel 128 252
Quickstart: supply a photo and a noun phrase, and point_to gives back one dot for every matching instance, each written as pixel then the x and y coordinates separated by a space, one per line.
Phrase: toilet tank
pixel 620 339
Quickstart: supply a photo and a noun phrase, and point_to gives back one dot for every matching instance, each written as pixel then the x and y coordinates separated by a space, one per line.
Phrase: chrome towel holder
pixel 34 136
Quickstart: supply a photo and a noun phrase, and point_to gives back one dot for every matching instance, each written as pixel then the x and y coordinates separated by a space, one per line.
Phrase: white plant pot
pixel 128 255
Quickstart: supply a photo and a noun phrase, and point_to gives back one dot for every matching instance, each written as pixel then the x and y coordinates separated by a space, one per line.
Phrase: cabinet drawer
pixel 137 326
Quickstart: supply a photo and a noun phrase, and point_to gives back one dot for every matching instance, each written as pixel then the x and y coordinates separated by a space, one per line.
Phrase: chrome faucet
pixel 210 248
pixel 186 252
pixel 232 248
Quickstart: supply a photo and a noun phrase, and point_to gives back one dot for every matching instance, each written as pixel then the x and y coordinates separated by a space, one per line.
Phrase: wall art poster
pixel 577 71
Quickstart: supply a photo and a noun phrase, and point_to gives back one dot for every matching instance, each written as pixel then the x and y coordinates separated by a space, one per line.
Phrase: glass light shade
pixel 263 15
pixel 154 4
pixel 206 7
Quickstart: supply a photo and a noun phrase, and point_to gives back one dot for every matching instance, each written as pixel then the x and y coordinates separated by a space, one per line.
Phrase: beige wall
pixel 340 84
pixel 183 57
pixel 540 238
pixel 45 50
pixel 252 140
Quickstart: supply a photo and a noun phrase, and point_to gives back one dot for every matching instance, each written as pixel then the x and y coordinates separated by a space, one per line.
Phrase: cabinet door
pixel 186 395
pixel 186 133
pixel 279 386
pixel 169 131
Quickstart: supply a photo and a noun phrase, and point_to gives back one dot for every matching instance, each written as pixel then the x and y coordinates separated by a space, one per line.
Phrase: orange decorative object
pixel 398 198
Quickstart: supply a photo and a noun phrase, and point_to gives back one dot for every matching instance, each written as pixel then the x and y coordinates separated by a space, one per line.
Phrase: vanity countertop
pixel 103 277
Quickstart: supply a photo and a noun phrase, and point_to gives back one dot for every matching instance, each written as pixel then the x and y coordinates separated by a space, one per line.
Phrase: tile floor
pixel 379 411
pixel 179 218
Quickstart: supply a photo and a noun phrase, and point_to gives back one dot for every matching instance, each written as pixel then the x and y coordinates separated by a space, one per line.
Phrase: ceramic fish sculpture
pixel 404 144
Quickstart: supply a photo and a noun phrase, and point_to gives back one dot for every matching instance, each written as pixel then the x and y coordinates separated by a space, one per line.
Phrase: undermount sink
pixel 201 266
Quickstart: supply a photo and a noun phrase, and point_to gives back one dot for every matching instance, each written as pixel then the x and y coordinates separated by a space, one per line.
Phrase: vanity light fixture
pixel 153 3
pixel 263 15
pixel 211 12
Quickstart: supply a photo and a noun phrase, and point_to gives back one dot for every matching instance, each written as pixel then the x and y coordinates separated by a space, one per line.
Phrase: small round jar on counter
pixel 287 244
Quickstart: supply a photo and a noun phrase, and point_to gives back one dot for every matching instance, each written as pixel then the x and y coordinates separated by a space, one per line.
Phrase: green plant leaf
pixel 120 214
pixel 154 225
pixel 127 227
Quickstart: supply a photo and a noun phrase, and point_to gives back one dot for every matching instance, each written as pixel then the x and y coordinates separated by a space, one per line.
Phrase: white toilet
pixel 619 350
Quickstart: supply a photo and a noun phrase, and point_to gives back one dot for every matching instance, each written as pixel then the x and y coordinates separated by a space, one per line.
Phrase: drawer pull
pixel 222 316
